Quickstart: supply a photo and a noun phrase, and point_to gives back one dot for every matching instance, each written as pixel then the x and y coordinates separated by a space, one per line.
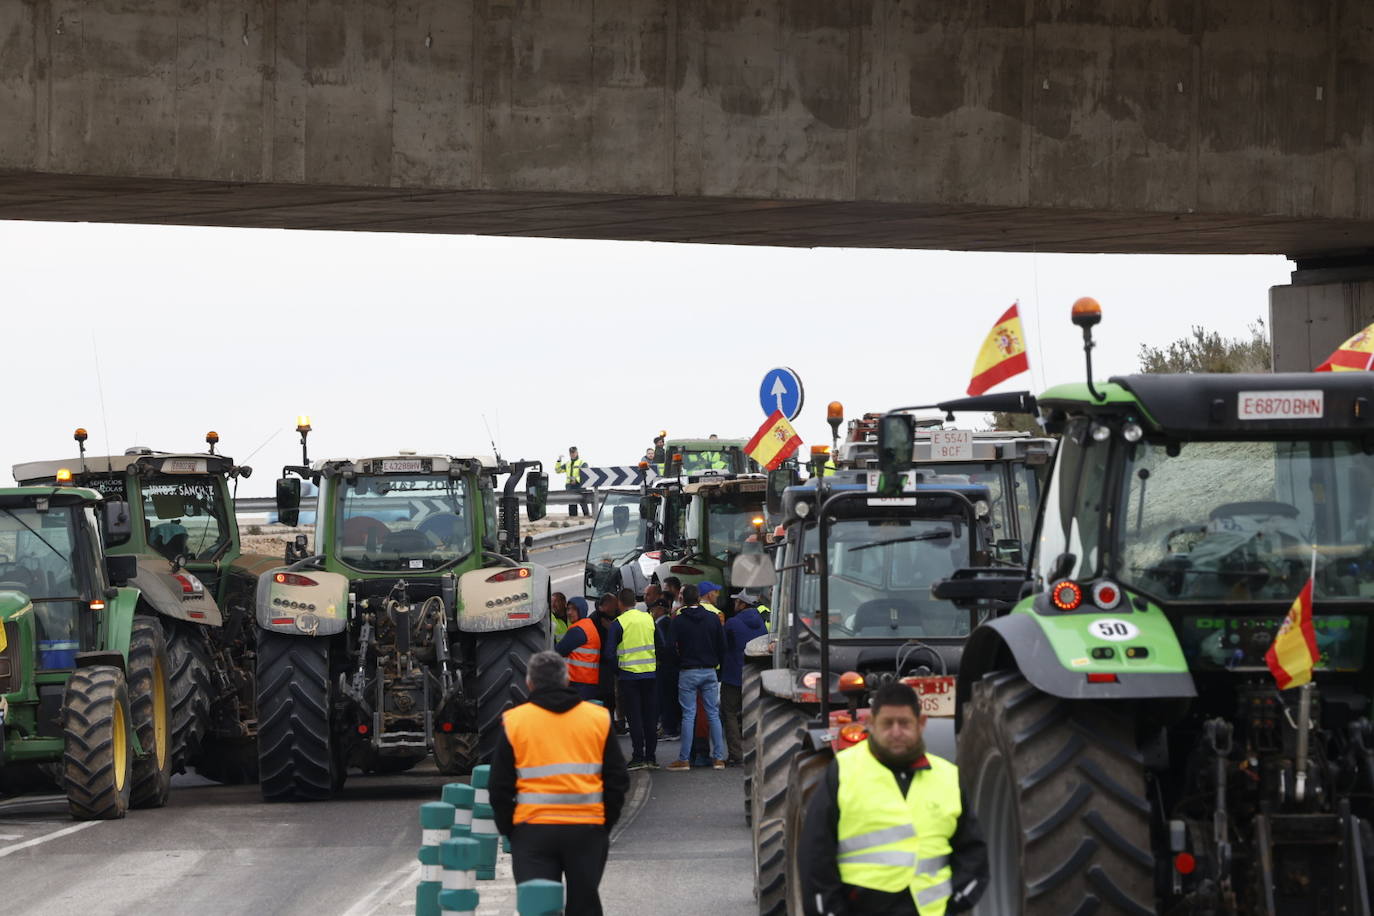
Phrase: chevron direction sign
pixel 625 476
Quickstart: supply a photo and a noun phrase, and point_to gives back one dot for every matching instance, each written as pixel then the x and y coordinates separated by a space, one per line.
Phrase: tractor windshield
pixel 880 577
pixel 37 558
pixel 184 515
pixel 1012 513
pixel 729 522
pixel 403 522
pixel 1245 521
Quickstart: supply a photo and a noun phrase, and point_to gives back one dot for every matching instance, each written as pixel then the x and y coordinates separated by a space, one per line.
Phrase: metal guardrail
pixel 561 536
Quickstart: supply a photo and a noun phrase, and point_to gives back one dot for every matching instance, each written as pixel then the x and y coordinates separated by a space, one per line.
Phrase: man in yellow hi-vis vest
pixel 574 471
pixel 886 831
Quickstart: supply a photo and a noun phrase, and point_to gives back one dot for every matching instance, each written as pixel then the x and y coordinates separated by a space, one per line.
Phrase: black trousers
pixel 572 853
pixel 640 698
pixel 669 709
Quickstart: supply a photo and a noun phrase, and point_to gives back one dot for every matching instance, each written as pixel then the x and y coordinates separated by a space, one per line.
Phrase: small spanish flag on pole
pixel 1003 354
pixel 1354 355
pixel 1293 654
pixel 775 440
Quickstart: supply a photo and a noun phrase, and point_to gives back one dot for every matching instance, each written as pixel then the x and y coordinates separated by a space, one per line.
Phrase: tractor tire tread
pixel 152 781
pixel 95 791
pixel 295 762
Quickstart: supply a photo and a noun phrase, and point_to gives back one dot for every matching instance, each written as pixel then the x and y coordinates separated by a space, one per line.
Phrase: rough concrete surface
pixel 1130 125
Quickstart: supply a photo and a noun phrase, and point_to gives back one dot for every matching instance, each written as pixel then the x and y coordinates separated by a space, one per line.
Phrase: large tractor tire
pixel 778 739
pixel 97 759
pixel 228 761
pixel 502 658
pixel 455 753
pixel 751 696
pixel 806 776
pixel 1059 790
pixel 191 690
pixel 295 759
pixel 150 709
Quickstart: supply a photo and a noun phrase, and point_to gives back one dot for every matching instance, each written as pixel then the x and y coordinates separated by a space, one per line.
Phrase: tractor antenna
pixel 494 449
pixel 274 435
pixel 1087 312
pixel 104 419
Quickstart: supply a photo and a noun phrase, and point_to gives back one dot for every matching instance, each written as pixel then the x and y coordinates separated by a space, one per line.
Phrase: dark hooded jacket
pixel 739 629
pixel 699 638
pixel 501 784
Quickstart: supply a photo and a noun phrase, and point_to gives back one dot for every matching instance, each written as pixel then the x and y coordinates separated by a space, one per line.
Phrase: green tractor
pixel 1122 736
pixel 635 530
pixel 194 579
pixel 84 691
pixel 722 517
pixel 693 457
pixel 408 627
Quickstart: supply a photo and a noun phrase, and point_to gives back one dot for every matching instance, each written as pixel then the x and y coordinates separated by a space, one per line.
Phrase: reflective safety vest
pixel 584 662
pixel 887 842
pixel 713 460
pixel 560 627
pixel 558 763
pixel 573 470
pixel 714 610
pixel 765 612
pixel 636 650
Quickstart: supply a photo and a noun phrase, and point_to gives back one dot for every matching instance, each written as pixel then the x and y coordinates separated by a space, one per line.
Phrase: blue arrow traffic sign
pixel 781 390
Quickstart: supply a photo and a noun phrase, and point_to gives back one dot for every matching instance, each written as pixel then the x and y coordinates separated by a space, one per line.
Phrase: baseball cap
pixel 707 585
pixel 747 598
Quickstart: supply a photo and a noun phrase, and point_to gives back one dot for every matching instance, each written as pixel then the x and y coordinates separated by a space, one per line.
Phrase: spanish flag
pixel 1003 354
pixel 1355 354
pixel 1293 654
pixel 775 440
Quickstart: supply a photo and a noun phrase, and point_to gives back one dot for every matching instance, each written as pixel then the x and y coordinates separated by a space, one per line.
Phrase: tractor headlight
pixel 1132 432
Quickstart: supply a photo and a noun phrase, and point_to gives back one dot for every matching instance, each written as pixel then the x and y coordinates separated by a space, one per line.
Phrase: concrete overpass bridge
pixel 1192 126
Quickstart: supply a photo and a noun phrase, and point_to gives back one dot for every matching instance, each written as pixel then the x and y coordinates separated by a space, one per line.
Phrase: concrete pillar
pixel 1329 299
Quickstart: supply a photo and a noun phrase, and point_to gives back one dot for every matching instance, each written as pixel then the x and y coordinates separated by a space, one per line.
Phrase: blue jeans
pixel 689 684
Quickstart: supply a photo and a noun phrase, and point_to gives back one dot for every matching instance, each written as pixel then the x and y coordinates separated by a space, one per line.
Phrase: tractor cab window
pixel 618 538
pixel 1247 521
pixel 1071 531
pixel 37 558
pixel 184 515
pixel 400 522
pixel 729 522
pixel 880 574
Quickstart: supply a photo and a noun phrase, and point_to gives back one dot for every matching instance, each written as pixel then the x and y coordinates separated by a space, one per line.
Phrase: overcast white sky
pixel 405 341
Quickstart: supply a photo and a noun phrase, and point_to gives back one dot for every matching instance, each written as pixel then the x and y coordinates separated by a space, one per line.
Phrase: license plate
pixel 1281 405
pixel 936 693
pixel 183 466
pixel 951 445
pixel 401 466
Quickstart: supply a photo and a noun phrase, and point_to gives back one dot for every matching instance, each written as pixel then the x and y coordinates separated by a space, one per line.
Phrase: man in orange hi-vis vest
pixel 558 782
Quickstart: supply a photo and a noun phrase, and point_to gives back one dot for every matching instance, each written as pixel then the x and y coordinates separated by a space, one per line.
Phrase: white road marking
pixel 6 850
pixel 372 902
pixel 10 836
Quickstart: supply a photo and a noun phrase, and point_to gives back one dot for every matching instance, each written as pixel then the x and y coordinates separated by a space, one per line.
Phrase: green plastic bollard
pixel 436 819
pixel 427 893
pixel 539 897
pixel 460 795
pixel 481 778
pixel 458 903
pixel 459 859
pixel 484 832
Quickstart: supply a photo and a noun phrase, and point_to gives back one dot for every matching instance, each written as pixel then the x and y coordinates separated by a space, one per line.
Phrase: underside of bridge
pixel 724 220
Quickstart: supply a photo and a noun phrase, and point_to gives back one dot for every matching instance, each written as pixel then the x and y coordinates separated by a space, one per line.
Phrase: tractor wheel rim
pixel 120 748
pixel 996 809
pixel 160 713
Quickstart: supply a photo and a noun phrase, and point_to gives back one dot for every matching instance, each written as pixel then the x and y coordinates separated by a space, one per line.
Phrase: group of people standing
pixel 659 661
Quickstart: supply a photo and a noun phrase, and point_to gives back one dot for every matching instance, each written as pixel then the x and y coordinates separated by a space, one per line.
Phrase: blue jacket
pixel 699 638
pixel 739 629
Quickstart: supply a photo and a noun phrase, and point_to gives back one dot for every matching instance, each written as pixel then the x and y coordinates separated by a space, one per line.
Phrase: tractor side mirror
pixel 778 480
pixel 647 507
pixel 121 570
pixel 536 496
pixel 896 442
pixel 118 525
pixel 753 570
pixel 620 518
pixel 289 501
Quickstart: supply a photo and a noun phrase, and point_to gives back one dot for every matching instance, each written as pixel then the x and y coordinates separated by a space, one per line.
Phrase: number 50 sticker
pixel 1113 629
